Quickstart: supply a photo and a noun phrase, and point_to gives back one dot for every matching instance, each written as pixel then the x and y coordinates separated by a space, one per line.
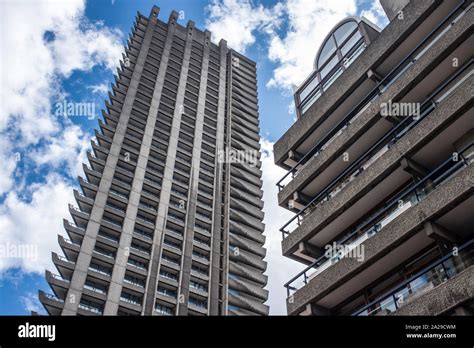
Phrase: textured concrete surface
pixel 422 67
pixel 386 42
pixel 415 139
pixel 444 297
pixel 438 202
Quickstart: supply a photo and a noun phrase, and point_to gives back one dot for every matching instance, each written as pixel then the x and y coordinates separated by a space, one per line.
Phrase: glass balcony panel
pixel 309 88
pixel 352 42
pixel 328 49
pixel 329 66
pixel 344 31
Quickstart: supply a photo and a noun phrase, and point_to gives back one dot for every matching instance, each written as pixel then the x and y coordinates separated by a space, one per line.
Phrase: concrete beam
pixel 413 168
pixel 439 233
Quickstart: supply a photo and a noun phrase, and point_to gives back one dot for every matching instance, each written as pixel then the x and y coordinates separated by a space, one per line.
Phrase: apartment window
pixel 197 303
pixel 163 309
pixel 339 50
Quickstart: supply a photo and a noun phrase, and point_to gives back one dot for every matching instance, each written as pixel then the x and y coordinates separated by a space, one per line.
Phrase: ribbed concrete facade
pixel 380 167
pixel 169 220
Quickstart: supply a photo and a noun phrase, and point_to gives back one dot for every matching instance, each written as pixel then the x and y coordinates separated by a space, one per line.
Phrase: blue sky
pixel 69 52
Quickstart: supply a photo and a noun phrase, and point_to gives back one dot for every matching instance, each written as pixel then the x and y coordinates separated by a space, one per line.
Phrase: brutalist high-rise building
pixel 169 220
pixel 380 167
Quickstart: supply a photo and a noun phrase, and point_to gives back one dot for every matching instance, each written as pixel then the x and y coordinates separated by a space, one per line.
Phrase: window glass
pixel 351 43
pixel 333 78
pixel 327 68
pixel 310 101
pixel 309 87
pixel 328 49
pixel 344 31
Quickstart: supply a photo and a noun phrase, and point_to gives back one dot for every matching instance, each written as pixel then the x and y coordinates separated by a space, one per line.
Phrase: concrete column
pixel 167 175
pixel 74 294
pixel 194 179
pixel 217 234
pixel 115 289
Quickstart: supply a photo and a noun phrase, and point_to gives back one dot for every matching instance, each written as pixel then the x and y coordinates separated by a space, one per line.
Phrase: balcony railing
pixel 166 292
pixel 95 289
pixel 62 258
pixel 99 270
pixel 429 40
pixel 129 300
pixel 411 196
pixel 164 310
pixel 58 277
pixel 129 281
pixel 318 89
pixel 422 282
pixel 52 297
pixel 90 308
pixel 136 265
pixel 375 151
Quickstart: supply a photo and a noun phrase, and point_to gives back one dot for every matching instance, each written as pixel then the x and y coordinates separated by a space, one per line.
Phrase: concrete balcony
pixel 247 244
pixel 245 140
pixel 241 195
pixel 241 172
pixel 447 206
pixel 245 286
pixel 247 302
pixel 239 113
pixel 59 285
pixel 51 303
pixel 250 127
pixel 93 176
pixel 247 232
pixel 63 265
pixel 453 295
pixel 365 128
pixel 89 188
pixel 69 248
pixel 246 208
pixel 248 272
pixel 247 220
pixel 85 203
pixel 75 233
pixel 251 134
pixel 394 43
pixel 432 139
pixel 242 256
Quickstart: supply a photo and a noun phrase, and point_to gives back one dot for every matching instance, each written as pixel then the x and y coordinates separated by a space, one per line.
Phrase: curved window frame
pixel 320 79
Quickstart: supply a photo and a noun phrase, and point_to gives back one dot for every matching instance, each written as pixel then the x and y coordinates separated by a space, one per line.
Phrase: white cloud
pixel 54 40
pixel 68 148
pixel 280 269
pixel 375 13
pixel 237 21
pixel 31 303
pixel 34 225
pixel 309 22
pixel 36 56
pixel 102 88
pixel 292 47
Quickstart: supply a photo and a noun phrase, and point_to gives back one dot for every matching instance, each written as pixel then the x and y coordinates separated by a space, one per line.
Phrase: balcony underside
pixel 448 206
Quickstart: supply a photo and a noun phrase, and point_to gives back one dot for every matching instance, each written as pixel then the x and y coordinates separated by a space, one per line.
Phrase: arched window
pixel 340 48
pixel 337 44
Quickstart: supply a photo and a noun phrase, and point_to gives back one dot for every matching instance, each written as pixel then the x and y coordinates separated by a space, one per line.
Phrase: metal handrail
pixel 415 276
pixel 375 91
pixel 372 220
pixel 340 64
pixel 427 106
